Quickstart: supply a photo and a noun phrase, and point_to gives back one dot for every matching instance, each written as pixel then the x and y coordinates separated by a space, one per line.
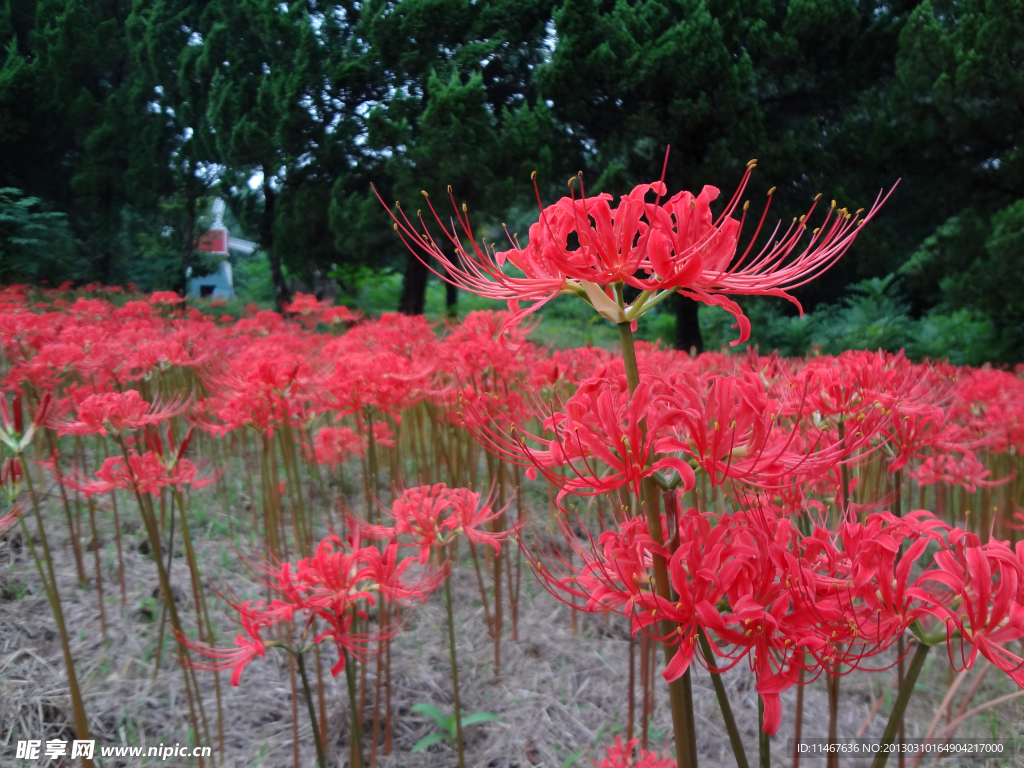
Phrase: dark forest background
pixel 120 120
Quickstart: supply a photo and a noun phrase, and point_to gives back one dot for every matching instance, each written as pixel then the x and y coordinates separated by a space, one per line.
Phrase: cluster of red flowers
pixel 789 602
pixel 789 561
pixel 337 585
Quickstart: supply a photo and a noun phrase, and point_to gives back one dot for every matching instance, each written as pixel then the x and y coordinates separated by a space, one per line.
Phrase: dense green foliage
pixel 119 119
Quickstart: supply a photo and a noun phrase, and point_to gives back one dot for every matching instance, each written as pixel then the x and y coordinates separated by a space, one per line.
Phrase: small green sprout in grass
pixel 447 724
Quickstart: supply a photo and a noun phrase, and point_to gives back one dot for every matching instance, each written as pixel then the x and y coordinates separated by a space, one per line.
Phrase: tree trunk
pixel 414 287
pixel 281 293
pixel 688 336
pixel 188 246
pixel 451 300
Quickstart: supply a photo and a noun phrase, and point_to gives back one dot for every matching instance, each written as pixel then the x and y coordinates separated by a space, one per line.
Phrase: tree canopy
pixel 120 118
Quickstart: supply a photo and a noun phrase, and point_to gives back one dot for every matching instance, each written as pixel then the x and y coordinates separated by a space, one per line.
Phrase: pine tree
pixel 462 108
pixel 174 153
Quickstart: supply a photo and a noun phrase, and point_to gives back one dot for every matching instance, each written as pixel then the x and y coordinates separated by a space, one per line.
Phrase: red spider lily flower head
pixel 332 585
pixel 967 471
pixel 762 591
pixel 248 646
pixel 621 755
pixel 12 429
pixel 338 315
pixel 476 351
pixel 600 422
pixel 388 571
pixel 430 515
pixel 386 365
pixel 268 383
pixel 304 304
pixel 382 435
pixel 581 246
pixel 420 514
pixel 11 475
pixel 144 473
pixel 336 445
pixel 975 590
pixel 989 408
pixel 117 411
pixel 12 517
pixel 311 312
pixel 165 297
pixel 469 516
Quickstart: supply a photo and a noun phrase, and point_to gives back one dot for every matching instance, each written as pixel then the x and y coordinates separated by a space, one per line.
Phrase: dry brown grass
pixel 559 692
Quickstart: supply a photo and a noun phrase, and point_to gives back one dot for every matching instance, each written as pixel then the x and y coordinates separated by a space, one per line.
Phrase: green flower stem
pixel 50 586
pixel 916 664
pixel 455 670
pixel 764 740
pixel 356 752
pixel 153 534
pixel 723 703
pixel 682 704
pixel 300 657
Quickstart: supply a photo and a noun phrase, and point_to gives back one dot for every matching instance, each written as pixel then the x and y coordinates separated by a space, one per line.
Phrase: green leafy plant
pixel 446 724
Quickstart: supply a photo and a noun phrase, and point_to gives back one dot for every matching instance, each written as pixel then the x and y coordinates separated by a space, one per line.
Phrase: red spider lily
pixel 382 435
pixel 430 515
pixel 116 411
pixel 731 427
pixel 12 429
pixel 763 592
pixel 11 475
pixel 338 315
pixel 655 247
pixel 248 646
pixel 165 297
pixel 310 311
pixel 977 595
pixel 12 517
pixel 620 755
pixel 266 385
pixel 145 473
pixel 603 423
pixel 304 304
pixel 379 377
pixel 333 585
pixel 967 472
pixel 387 570
pixel 336 445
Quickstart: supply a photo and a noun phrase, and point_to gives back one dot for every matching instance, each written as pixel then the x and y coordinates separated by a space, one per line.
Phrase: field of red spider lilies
pixel 310 536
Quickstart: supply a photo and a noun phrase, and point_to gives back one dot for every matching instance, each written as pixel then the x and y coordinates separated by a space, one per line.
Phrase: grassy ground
pixel 561 697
